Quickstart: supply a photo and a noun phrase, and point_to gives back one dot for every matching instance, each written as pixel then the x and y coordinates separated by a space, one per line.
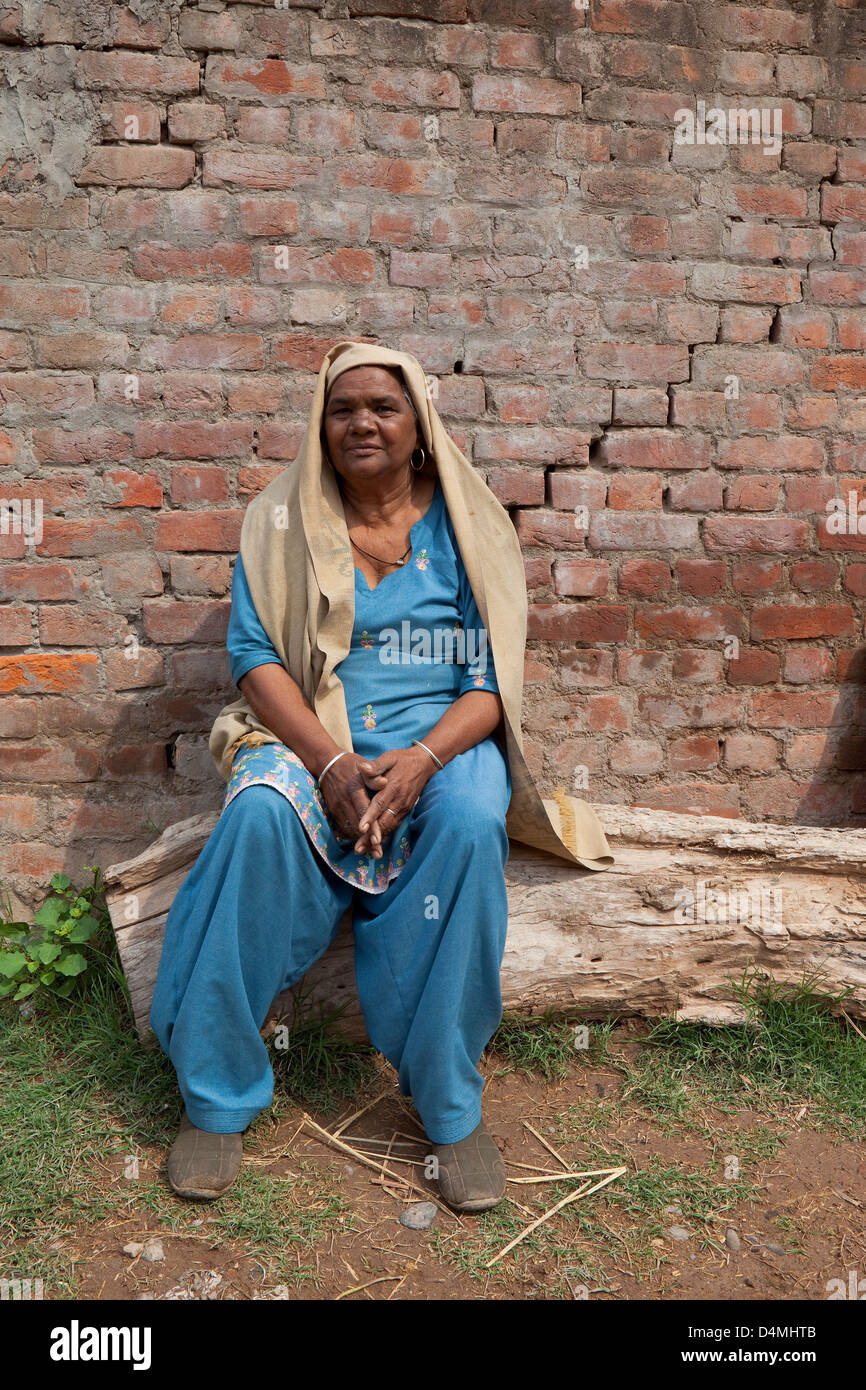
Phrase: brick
pixel 170 621
pixel 698 409
pixel 225 260
pixel 134 760
pixel 829 373
pixel 807 665
pixel 251 169
pixel 54 395
pixel 837 287
pixel 420 268
pixel 691 323
pixel 95 537
pixel 131 32
pixel 811 576
pixel 769 535
pixel 795 710
pixel 798 621
pixel 642 187
pixel 752 666
pixel 640 405
pixel 700 578
pixel 662 449
pixel 539 526
pixel 141 72
pixel 271 77
pixel 198 307
pixel 198 485
pixel 49 673
pixel 581 578
pixel 702 712
pixel 667 21
pixel 501 92
pixel 635 757
pixel 701 493
pixel 573 489
pixel 756 576
pixel 138 166
pixel 641 492
pixel 41 304
pixel 689 623
pixel 124 488
pixel 85 351
pixel 15 351
pixel 644 578
pixel 642 531
pixel 843 203
pixel 37 581
pixel 210 31
pixel 752 493
pixel 756 452
pixel 586 623
pixel 200 574
pixel 210 351
pixel 127 578
pixel 134 670
pixel 695 754
pixel 749 284
pixel 68 625
pixel 131 121
pixel 15 627
pixel 809 159
pixel 191 439
pixel 215 530
pixel 753 752
pixel 804 327
pixel 30 764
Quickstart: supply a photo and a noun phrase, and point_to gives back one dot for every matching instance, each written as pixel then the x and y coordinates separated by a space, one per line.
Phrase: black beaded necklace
pixel 378 558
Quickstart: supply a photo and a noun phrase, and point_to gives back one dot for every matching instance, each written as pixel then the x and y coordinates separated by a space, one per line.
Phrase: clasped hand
pixel 396 779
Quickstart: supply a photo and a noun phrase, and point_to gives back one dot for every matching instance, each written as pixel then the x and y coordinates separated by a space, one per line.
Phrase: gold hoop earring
pixel 417 466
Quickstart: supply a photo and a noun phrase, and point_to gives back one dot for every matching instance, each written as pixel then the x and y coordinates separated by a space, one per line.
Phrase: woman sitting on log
pixel 374 759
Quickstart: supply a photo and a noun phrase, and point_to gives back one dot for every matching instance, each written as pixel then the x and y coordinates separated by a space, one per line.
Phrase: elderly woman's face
pixel 369 426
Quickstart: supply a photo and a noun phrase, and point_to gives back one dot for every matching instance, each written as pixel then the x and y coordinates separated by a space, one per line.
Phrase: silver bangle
pixel 331 764
pixel 428 750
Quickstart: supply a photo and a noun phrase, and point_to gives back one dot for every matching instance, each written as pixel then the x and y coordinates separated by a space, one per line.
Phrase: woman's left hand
pixel 407 772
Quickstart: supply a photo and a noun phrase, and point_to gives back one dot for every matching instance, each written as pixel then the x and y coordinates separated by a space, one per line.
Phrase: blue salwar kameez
pixel 266 894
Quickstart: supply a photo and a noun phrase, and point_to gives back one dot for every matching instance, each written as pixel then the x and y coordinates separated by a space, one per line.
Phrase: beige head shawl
pixel 298 561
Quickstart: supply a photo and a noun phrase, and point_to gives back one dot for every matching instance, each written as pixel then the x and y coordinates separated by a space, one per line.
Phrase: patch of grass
pixel 80 1095
pixel 578 1241
pixel 548 1046
pixel 317 1068
pixel 791 1049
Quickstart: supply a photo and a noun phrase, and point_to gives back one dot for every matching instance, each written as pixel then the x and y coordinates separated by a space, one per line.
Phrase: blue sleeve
pixel 480 673
pixel 247 642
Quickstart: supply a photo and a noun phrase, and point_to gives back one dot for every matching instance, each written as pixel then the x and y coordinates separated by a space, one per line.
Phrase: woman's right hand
pixel 347 797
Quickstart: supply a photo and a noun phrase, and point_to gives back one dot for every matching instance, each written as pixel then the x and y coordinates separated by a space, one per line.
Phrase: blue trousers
pixel 260 906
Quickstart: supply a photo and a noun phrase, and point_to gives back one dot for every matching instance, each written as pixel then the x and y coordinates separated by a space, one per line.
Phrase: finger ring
pixel 393 813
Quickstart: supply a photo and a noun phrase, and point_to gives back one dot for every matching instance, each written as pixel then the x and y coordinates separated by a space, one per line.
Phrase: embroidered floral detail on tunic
pixel 422 559
pixel 368 715
pixel 274 765
pixel 367 639
pixel 478 680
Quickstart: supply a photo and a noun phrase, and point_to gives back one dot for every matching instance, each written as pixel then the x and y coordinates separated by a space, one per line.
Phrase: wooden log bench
pixel 691 903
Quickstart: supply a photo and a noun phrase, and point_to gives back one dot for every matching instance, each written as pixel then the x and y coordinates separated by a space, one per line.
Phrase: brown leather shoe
pixel 471 1172
pixel 202 1165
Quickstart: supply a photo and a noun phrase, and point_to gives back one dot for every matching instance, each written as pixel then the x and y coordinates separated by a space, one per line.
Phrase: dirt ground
pixel 808 1201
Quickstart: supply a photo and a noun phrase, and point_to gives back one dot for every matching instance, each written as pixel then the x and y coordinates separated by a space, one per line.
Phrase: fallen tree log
pixel 691 903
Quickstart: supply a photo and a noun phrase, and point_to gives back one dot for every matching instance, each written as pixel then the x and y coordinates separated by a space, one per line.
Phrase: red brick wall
pixel 654 351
